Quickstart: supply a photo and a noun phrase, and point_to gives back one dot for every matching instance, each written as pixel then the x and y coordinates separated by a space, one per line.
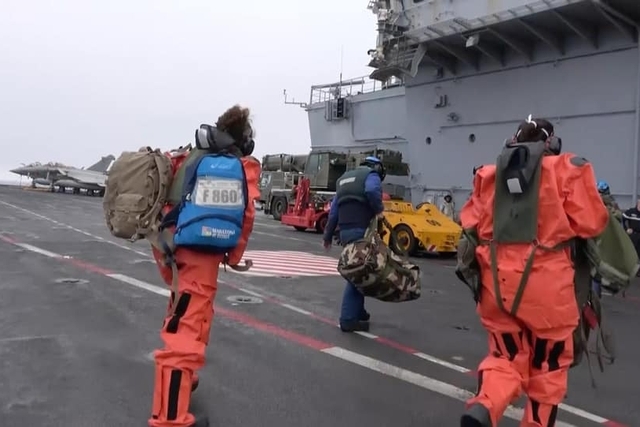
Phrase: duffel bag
pixel 376 271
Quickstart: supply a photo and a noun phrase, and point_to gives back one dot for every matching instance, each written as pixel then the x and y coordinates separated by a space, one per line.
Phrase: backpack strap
pixel 525 274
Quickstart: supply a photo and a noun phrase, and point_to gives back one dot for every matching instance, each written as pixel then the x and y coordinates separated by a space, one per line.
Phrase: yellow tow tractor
pixel 421 229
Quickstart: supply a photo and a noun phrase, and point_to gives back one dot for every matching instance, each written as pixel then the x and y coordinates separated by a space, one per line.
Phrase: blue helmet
pixel 375 164
pixel 372 159
pixel 603 187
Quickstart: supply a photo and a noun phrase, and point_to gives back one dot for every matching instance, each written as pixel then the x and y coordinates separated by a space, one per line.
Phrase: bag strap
pixel 372 229
pixel 535 245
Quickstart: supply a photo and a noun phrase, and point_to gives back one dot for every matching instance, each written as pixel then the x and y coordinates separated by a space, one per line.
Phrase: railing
pixel 357 86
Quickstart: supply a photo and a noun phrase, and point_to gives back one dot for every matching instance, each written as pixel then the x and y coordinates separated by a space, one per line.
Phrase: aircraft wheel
pixel 405 239
pixel 278 207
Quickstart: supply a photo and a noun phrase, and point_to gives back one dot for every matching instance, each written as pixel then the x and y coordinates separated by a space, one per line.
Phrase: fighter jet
pixel 91 179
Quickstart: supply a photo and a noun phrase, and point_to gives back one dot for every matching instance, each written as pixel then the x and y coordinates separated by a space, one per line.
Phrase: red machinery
pixel 308 211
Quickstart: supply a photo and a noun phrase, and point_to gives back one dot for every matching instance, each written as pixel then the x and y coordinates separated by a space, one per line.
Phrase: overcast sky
pixel 80 79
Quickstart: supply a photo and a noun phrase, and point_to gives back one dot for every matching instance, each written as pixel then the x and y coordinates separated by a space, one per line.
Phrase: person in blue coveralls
pixel 357 201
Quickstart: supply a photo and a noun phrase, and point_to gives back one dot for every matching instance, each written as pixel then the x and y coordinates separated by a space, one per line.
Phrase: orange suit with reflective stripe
pixel 532 351
pixel 185 332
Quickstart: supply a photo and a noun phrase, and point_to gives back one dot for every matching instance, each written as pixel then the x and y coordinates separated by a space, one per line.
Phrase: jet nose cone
pixel 17 170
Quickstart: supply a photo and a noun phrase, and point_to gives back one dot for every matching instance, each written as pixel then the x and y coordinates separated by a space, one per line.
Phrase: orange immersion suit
pixel 185 331
pixel 532 350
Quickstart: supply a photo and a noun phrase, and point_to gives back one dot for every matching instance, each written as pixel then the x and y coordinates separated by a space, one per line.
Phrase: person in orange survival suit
pixel 186 327
pixel 526 295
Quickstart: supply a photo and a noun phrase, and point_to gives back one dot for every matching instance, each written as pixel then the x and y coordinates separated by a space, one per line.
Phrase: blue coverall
pixel 353 301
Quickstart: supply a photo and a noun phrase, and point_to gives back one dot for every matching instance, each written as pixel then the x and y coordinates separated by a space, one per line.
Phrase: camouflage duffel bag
pixel 376 271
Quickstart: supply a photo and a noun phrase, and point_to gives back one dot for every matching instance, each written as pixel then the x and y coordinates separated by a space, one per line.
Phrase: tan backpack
pixel 136 191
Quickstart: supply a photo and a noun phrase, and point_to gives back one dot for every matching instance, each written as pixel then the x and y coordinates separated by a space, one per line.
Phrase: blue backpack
pixel 211 215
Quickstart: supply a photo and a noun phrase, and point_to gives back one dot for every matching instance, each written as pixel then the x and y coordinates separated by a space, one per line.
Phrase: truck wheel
pixel 278 207
pixel 321 224
pixel 405 239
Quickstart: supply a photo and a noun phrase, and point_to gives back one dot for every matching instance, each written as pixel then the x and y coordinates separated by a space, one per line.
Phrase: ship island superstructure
pixel 453 78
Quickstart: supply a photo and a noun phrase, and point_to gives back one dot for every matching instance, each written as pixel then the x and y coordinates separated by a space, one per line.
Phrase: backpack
pixel 210 216
pixel 376 271
pixel 611 261
pixel 613 257
pixel 591 314
pixel 135 192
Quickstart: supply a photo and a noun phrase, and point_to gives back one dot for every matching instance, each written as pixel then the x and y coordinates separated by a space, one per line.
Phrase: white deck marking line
pixel 375 365
pixel 419 380
pixel 567 408
pixel 38 250
pixel 45 218
pixel 441 362
pixel 247 291
pixel 140 284
pixel 296 309
pixel 367 335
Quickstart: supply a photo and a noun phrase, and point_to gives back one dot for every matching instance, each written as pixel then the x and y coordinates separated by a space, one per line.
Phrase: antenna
pixel 293 100
pixel 341 67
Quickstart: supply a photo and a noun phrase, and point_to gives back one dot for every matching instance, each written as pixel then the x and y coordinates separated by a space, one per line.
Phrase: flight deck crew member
pixel 529 310
pixel 447 207
pixel 357 201
pixel 631 223
pixel 608 200
pixel 186 327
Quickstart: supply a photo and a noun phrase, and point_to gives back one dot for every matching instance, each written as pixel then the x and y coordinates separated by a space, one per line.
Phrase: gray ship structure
pixel 452 79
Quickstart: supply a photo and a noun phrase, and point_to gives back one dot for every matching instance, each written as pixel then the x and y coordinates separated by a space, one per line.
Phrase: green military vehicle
pixel 281 172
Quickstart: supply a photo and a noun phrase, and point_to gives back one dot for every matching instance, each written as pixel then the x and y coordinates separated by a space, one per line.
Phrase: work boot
pixel 365 317
pixel 354 325
pixel 476 416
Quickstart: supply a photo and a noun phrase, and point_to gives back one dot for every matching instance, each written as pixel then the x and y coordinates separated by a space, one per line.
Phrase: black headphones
pixel 377 167
pixel 552 144
pixel 213 139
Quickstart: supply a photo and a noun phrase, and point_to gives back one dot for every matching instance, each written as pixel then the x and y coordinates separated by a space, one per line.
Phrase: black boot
pixel 476 416
pixel 365 317
pixel 355 325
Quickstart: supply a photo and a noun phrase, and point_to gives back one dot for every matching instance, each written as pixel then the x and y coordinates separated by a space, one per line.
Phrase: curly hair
pixel 236 122
pixel 534 130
